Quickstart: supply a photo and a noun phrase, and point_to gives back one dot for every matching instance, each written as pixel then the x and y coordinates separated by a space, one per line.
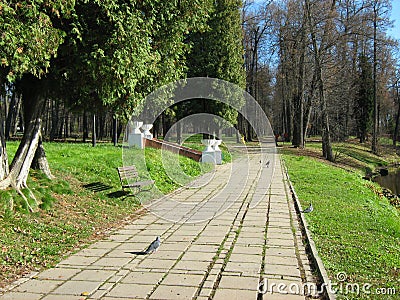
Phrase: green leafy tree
pixel 109 53
pixel 218 53
pixel 364 102
pixel 29 40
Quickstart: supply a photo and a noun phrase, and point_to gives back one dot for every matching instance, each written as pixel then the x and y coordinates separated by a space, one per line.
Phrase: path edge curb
pixel 310 245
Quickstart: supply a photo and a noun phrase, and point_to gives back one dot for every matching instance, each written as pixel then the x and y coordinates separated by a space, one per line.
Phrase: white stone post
pixel 135 136
pixel 218 152
pixel 146 128
pixel 208 155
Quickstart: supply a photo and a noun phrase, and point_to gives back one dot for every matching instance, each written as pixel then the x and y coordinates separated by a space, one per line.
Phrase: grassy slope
pixel 355 231
pixel 72 216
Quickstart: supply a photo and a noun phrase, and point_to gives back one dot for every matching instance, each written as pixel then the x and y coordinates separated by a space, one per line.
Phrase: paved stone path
pixel 219 241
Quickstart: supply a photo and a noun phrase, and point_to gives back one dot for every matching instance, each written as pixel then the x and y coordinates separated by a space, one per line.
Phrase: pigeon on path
pixel 267 164
pixel 153 246
pixel 309 209
pixel 150 249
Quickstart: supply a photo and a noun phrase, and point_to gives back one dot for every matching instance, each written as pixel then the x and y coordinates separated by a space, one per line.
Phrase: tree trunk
pixel 374 146
pixel 66 125
pixel 94 139
pixel 309 107
pixel 102 126
pixel 298 122
pixel 237 136
pixel 288 111
pixel 33 105
pixel 3 155
pixel 119 130
pixel 114 131
pixel 22 161
pixel 61 124
pixel 307 120
pixel 396 129
pixel 179 133
pixel 85 127
pixel 54 119
pixel 326 139
pixel 40 160
pixel 164 125
pixel 12 116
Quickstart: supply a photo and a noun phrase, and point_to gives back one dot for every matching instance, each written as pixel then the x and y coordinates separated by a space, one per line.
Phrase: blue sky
pixel 395 32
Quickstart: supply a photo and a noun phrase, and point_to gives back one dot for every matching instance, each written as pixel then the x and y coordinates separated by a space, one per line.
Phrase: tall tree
pixel 29 42
pixel 218 53
pixel 377 15
pixel 364 99
pixel 257 21
pixel 396 96
pixel 89 53
pixel 321 41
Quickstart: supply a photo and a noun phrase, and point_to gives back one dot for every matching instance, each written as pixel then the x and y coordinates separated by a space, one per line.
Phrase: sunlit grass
pixel 71 215
pixel 355 230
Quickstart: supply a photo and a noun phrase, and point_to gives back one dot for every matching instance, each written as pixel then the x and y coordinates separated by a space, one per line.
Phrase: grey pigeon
pixel 267 164
pixel 153 246
pixel 309 209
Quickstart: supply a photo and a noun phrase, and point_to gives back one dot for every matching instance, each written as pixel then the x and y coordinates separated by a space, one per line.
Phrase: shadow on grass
pixel 363 156
pixel 97 186
pixel 118 194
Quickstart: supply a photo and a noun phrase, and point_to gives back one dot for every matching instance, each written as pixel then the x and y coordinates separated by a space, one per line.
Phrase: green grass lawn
pixel 71 215
pixel 355 230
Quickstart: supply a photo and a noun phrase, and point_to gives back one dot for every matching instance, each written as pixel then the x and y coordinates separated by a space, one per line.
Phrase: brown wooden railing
pixel 175 148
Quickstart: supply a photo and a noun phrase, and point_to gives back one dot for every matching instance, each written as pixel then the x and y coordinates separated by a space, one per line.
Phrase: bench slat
pixel 138 184
pixel 126 174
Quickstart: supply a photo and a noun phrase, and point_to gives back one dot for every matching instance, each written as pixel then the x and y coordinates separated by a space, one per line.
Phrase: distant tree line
pixel 324 67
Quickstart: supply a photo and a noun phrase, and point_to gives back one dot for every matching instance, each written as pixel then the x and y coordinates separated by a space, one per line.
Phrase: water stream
pixel 391 181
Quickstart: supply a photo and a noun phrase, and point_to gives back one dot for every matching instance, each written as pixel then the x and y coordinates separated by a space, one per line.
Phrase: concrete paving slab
pixel 245 268
pixel 93 252
pixel 246 258
pixel 167 292
pixel 239 282
pixel 38 286
pixel 62 297
pixel 21 296
pixel 112 262
pixel 281 260
pixel 76 288
pixel 280 242
pixel 235 294
pixel 245 249
pixel 274 251
pixel 58 274
pixel 94 275
pixel 183 280
pixel 152 263
pixel 143 277
pixel 199 256
pixel 192 265
pixel 284 270
pixel 130 291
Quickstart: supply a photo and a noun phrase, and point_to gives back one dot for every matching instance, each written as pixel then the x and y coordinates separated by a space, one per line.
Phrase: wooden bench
pixel 129 178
